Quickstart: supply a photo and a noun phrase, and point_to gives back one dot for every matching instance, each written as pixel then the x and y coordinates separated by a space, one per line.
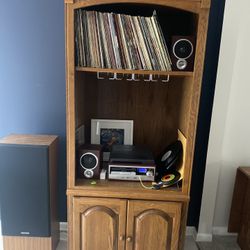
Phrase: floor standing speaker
pixel 28 202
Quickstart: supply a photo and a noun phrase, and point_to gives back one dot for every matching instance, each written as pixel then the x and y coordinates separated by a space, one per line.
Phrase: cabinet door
pixel 99 223
pixel 153 225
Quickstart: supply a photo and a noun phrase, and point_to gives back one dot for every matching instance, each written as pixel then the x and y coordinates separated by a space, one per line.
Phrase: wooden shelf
pixel 125 189
pixel 137 72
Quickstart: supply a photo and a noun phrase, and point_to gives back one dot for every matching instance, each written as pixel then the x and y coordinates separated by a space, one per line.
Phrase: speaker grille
pixel 183 49
pixel 88 161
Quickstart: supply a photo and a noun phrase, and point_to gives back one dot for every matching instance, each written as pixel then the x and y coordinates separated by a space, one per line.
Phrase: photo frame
pixel 108 132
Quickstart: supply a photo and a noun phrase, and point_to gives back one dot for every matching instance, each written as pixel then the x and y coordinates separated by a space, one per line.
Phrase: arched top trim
pixel 104 209
pixel 193 6
pixel 160 213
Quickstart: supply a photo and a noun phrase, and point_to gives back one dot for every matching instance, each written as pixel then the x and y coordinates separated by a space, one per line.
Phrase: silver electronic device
pixel 131 172
pixel 131 163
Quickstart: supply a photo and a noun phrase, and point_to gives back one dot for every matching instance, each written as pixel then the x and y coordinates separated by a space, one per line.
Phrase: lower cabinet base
pixel 124 224
pixel 29 243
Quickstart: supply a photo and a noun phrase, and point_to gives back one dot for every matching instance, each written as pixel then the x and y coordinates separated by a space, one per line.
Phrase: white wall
pixel 229 139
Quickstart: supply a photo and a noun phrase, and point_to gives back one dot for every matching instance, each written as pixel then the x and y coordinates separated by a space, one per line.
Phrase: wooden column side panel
pixel 70 210
pixel 183 223
pixel 70 94
pixel 197 81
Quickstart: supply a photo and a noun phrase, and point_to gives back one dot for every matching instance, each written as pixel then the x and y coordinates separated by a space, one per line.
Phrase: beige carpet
pixel 220 243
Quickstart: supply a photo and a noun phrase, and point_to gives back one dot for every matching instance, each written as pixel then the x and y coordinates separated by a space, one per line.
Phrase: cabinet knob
pixel 122 237
pixel 129 239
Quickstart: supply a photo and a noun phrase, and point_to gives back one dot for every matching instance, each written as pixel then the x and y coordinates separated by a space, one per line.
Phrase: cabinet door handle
pixel 129 239
pixel 122 237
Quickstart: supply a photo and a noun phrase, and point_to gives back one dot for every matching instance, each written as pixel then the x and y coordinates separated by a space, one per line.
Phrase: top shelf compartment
pixel 132 38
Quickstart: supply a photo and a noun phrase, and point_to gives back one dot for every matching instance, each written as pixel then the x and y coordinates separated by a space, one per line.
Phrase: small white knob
pixel 149 173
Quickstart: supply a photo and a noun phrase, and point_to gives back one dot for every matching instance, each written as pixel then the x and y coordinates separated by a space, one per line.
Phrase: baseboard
pixel 204 237
pixel 222 231
pixel 63 230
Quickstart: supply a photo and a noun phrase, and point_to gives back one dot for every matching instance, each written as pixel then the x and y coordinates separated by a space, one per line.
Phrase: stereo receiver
pixel 132 163
pixel 131 172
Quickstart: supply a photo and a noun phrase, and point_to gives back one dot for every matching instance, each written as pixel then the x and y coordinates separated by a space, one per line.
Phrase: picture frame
pixel 108 132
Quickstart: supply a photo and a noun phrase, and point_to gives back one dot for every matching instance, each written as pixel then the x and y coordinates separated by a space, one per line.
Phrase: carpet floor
pixel 220 243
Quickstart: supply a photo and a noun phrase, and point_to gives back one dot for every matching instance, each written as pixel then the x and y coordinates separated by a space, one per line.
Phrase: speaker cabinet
pixel 182 53
pixel 89 157
pixel 28 169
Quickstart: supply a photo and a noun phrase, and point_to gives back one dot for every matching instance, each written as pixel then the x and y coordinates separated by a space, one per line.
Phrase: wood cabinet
pixel 239 219
pixel 122 214
pixel 99 223
pixel 153 225
pixel 125 224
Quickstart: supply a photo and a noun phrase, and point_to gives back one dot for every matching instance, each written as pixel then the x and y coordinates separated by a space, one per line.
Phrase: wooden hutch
pixel 121 214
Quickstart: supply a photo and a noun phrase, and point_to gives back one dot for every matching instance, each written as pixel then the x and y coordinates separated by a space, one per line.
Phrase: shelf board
pixel 137 72
pixel 125 190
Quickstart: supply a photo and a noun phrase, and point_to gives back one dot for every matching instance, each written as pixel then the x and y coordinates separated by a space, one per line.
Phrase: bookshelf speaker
pixel 182 52
pixel 89 157
pixel 28 192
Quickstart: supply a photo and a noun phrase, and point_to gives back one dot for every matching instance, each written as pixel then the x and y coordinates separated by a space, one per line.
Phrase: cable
pixel 144 185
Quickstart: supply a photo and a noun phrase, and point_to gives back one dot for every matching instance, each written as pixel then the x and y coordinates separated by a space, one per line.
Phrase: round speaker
pixel 181 64
pixel 183 49
pixel 88 161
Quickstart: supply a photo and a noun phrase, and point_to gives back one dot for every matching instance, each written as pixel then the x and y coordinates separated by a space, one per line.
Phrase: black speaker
pixel 28 200
pixel 182 53
pixel 89 157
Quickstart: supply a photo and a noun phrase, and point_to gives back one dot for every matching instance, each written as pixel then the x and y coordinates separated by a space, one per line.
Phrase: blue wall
pixel 32 74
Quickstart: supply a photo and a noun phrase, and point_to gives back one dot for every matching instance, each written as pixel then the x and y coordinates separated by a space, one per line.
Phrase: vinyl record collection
pixel 119 41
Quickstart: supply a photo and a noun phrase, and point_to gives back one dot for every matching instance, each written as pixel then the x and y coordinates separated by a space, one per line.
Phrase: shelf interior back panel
pixel 158 109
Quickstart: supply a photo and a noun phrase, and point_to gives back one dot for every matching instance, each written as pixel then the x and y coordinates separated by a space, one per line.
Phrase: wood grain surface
pixel 27 243
pixel 99 223
pixel 153 225
pixel 28 139
pixel 239 219
pixel 158 109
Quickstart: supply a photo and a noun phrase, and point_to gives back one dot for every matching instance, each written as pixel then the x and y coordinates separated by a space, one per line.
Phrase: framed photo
pixel 110 132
